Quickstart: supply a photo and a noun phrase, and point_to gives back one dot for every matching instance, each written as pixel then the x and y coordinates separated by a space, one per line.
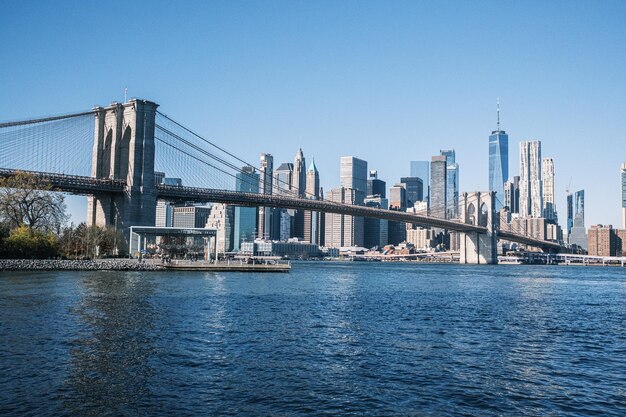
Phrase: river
pixel 325 339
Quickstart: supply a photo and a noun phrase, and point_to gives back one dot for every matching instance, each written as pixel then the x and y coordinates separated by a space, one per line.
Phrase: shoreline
pixel 77 265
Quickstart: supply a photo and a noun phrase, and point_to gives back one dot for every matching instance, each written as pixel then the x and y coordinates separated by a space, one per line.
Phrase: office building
pixel 530 190
pixel 414 187
pixel 570 212
pixel 421 169
pixel 353 173
pixel 190 216
pixel 578 235
pixel 376 230
pixel 264 221
pixel 547 178
pixel 623 172
pixel 312 218
pixel 511 195
pixel 397 201
pixel 298 186
pixel 246 181
pixel 452 184
pixel 438 186
pixel 164 214
pixel 282 219
pixel 343 230
pixel 222 218
pixel 498 162
pixel 376 186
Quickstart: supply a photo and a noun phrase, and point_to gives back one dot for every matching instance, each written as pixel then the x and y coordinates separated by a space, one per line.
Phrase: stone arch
pixel 483 216
pixel 471 213
pixel 105 161
pixel 123 151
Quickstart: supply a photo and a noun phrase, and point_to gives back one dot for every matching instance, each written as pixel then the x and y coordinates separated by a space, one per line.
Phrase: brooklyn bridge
pixel 110 154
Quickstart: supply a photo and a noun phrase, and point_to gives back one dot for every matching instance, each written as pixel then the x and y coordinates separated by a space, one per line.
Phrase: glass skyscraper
pixel 245 217
pixel 624 195
pixel 498 162
pixel 421 169
pixel 578 235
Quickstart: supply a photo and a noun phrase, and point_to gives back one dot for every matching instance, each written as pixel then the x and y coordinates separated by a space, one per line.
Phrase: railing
pixel 76 184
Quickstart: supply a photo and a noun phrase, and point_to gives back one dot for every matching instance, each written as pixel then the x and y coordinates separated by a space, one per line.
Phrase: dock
pixel 228 266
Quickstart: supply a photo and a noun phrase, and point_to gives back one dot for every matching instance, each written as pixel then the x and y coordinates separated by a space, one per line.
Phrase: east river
pixel 326 339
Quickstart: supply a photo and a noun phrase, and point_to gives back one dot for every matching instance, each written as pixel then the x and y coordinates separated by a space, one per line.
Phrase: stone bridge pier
pixel 123 149
pixel 478 208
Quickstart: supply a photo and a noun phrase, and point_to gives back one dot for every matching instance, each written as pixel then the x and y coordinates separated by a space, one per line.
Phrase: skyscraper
pixel 245 217
pixel 452 184
pixel 376 186
pixel 578 235
pixel 312 218
pixel 421 169
pixel 375 230
pixel 547 178
pixel 353 173
pixel 265 187
pixel 624 196
pixel 511 195
pixel 438 186
pixel 414 189
pixel 343 230
pixel 570 213
pixel 530 192
pixel 498 161
pixel 298 186
pixel 397 201
pixel 282 218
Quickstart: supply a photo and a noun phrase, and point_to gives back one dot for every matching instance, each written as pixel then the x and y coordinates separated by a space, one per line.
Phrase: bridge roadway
pixel 83 185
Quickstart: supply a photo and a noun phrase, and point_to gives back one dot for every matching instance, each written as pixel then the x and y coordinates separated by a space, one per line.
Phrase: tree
pixel 81 241
pixel 26 200
pixel 26 243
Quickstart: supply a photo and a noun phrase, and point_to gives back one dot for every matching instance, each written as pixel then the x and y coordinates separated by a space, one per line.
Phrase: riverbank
pixel 76 265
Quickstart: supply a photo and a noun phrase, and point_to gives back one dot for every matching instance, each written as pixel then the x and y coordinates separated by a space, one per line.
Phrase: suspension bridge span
pixel 114 160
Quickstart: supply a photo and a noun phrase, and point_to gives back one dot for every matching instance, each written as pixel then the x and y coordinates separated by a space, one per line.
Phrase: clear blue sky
pixel 388 82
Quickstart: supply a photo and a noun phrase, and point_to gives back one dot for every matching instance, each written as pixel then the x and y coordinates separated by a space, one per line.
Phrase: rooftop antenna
pixel 498 107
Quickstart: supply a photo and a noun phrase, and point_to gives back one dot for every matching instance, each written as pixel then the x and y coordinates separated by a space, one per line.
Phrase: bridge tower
pixel 123 149
pixel 478 208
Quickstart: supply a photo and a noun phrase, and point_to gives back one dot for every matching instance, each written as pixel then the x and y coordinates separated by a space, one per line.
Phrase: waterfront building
pixel 511 195
pixel 414 187
pixel 530 190
pixel 420 237
pixel 343 230
pixel 292 248
pixel 376 231
pixel 222 218
pixel 421 169
pixel 578 235
pixel 623 172
pixel 603 241
pixel 312 218
pixel 190 216
pixel 438 186
pixel 547 178
pixel 498 161
pixel 164 214
pixel 452 184
pixel 376 186
pixel 298 186
pixel 353 173
pixel 246 181
pixel 265 187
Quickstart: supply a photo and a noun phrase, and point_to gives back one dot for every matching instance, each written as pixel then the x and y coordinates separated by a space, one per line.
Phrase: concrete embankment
pixel 70 265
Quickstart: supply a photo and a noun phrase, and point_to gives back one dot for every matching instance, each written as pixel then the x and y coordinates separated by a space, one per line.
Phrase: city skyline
pixel 385 84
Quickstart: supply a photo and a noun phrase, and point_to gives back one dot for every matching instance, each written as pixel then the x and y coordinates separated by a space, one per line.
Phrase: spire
pixel 312 167
pixel 498 110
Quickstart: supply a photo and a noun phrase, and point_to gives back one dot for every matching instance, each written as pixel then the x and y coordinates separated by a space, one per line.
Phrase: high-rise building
pixel 397 201
pixel 164 214
pixel 578 235
pixel 421 169
pixel 246 181
pixel 623 172
pixel 603 241
pixel 282 219
pixel 498 161
pixel 547 178
pixel 190 216
pixel 511 195
pixel 222 218
pixel 452 184
pixel 353 173
pixel 530 191
pixel 298 186
pixel 343 230
pixel 570 212
pixel 265 187
pixel 438 186
pixel 375 186
pixel 414 189
pixel 376 230
pixel 312 218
